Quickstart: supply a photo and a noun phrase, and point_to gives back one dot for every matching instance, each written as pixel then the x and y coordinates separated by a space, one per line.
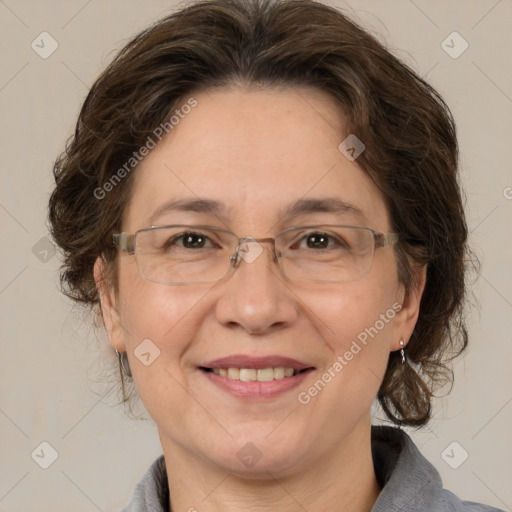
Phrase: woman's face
pixel 256 152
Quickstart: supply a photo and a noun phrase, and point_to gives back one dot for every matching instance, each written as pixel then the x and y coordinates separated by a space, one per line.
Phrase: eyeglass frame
pixel 126 243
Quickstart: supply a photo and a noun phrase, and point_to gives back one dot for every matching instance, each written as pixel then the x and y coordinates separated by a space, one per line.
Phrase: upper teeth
pixel 249 374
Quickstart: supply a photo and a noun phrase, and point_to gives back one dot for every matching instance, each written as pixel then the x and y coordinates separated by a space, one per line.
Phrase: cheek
pixel 156 320
pixel 350 312
pixel 357 327
pixel 159 325
pixel 355 323
pixel 152 310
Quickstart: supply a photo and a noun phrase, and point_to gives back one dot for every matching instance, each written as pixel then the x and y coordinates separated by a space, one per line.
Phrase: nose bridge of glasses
pixel 250 248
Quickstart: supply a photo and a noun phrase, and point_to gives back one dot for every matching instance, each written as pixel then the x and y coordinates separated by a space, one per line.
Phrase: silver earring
pixel 123 361
pixel 402 351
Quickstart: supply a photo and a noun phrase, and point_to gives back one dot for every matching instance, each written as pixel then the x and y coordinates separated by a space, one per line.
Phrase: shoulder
pixel 152 492
pixel 408 480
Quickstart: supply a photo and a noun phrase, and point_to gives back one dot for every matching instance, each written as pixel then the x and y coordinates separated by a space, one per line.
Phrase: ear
pixel 406 318
pixel 111 317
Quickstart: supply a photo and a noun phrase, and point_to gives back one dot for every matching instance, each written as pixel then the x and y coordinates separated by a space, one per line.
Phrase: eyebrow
pixel 321 205
pixel 189 205
pixel 295 209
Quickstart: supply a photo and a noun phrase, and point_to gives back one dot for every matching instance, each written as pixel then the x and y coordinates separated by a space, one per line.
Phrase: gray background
pixel 53 361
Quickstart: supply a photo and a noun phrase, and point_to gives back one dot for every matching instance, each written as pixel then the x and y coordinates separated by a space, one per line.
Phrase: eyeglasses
pixel 184 254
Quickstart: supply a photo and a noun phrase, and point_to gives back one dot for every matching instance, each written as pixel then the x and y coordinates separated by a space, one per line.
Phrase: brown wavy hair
pixel 409 133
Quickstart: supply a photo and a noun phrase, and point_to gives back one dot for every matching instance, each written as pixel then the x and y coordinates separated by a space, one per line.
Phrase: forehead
pixel 256 152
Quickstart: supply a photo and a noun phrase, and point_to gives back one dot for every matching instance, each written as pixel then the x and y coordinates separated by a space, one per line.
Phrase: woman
pixel 264 204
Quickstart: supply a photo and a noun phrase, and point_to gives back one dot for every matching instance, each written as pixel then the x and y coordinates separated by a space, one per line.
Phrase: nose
pixel 256 297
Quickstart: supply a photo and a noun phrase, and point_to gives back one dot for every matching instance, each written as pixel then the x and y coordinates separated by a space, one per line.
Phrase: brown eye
pixel 189 241
pixel 317 241
pixel 321 240
pixel 193 240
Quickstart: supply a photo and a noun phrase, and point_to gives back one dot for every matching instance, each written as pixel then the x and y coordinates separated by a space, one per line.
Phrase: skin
pixel 256 151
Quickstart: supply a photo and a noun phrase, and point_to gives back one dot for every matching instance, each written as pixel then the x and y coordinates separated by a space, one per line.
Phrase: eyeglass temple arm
pixel 383 239
pixel 125 242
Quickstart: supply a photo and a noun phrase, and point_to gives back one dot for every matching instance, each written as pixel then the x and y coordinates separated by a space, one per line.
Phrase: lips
pixel 256 378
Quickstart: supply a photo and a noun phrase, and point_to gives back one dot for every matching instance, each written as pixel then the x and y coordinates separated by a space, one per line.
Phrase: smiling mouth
pixel 253 374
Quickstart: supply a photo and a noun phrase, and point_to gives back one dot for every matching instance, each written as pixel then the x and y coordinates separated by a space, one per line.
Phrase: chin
pixel 256 456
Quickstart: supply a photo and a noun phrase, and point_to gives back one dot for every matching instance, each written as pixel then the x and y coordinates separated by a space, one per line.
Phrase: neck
pixel 343 479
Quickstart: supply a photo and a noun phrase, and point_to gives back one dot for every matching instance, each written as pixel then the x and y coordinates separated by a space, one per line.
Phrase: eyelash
pixel 181 237
pixel 302 238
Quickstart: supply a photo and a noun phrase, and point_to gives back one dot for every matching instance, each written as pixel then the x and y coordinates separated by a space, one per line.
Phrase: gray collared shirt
pixel 409 482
